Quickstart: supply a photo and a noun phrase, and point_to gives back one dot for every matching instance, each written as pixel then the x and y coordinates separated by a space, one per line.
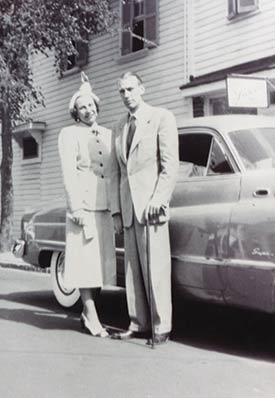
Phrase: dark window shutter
pixel 126 40
pixel 198 106
pixel 82 48
pixel 126 13
pixel 151 26
pixel 150 6
pixel 151 31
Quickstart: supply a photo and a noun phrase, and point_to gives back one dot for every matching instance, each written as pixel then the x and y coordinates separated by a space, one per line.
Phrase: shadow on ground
pixel 210 327
pixel 223 329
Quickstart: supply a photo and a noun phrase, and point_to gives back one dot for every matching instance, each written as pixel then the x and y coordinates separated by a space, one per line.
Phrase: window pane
pixel 247 5
pixel 30 148
pixel 256 147
pixel 138 29
pixel 219 106
pixel 138 7
pixel 71 62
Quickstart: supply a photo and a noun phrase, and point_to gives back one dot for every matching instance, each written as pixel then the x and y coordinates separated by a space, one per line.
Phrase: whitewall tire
pixel 65 297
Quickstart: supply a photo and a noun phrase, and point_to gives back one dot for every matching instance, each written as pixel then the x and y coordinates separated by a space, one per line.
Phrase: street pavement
pixel 214 352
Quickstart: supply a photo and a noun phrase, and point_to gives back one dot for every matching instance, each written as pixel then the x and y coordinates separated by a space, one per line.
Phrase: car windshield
pixel 256 147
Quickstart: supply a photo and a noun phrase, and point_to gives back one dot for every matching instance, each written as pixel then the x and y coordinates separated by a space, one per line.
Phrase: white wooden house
pixel 226 37
pixel 191 45
pixel 160 62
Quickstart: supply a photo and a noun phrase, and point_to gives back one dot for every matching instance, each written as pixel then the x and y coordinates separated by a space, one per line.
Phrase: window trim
pixel 239 10
pixel 30 129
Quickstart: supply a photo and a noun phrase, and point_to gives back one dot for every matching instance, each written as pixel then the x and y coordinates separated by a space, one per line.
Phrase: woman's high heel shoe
pixel 87 328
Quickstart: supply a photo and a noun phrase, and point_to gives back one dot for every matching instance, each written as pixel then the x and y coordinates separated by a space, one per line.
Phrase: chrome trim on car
pixel 46 224
pixel 251 264
pixel 50 242
pixel 226 263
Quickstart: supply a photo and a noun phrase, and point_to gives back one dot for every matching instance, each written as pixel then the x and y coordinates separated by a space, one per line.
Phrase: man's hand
pixel 118 225
pixel 78 217
pixel 153 211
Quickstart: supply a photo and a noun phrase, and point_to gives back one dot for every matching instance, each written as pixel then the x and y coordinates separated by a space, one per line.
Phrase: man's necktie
pixel 130 134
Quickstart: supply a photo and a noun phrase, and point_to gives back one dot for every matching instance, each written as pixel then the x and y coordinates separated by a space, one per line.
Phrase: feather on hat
pixel 84 89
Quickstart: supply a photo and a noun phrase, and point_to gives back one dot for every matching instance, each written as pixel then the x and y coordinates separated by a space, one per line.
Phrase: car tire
pixel 65 297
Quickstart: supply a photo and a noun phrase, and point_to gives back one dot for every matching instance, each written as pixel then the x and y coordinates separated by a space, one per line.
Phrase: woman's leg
pixel 89 313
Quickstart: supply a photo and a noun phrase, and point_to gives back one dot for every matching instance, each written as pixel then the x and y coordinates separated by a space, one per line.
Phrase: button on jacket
pixel 84 153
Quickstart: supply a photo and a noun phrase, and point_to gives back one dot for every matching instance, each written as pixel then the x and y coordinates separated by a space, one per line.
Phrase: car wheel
pixel 65 297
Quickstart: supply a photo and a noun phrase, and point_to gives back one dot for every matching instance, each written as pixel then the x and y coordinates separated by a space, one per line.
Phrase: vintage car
pixel 222 225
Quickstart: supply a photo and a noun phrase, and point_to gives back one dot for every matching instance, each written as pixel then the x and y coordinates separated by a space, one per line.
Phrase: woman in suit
pixel 84 150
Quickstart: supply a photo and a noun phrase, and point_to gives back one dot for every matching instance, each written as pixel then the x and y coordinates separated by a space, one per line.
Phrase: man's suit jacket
pixel 151 168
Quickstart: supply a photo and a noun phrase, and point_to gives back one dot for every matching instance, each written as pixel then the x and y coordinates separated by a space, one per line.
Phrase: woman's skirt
pixel 90 259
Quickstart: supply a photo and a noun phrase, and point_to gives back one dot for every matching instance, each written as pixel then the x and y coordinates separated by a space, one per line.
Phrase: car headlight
pixel 29 229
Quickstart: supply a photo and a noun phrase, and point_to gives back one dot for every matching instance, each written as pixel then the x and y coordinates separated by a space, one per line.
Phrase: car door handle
pixel 260 193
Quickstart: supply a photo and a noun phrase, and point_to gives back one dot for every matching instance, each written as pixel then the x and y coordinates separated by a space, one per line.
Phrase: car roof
pixel 225 123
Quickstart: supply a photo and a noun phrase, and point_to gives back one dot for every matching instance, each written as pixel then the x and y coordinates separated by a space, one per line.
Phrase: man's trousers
pixel 136 270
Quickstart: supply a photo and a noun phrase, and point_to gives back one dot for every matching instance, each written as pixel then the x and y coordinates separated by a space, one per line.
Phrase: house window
pixel 139 25
pixel 240 7
pixel 219 106
pixel 29 148
pixel 29 137
pixel 77 60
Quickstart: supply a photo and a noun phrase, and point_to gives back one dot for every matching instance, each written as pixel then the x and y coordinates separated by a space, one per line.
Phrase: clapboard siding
pixel 24 175
pixel 219 43
pixel 162 70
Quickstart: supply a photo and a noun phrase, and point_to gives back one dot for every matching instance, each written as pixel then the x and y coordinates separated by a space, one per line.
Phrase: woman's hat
pixel 84 89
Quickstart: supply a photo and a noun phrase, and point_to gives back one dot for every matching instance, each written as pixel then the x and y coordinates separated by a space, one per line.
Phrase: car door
pixel 208 187
pixel 251 263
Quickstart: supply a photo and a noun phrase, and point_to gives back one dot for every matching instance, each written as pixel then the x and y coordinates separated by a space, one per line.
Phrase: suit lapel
pixel 142 124
pixel 122 138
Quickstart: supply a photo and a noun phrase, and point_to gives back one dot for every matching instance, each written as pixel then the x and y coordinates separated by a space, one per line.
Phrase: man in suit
pixel 144 170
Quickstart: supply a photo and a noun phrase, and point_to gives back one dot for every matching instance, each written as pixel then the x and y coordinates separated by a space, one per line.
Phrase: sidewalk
pixel 8 260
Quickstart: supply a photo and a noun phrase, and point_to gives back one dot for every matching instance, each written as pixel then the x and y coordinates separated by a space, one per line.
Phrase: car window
pixel 256 147
pixel 200 155
pixel 218 163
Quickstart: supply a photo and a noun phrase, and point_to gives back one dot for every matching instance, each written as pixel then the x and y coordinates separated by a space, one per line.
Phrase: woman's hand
pixel 78 217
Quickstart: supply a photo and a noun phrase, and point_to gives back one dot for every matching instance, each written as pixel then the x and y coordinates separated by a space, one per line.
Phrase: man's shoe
pixel 128 334
pixel 159 338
